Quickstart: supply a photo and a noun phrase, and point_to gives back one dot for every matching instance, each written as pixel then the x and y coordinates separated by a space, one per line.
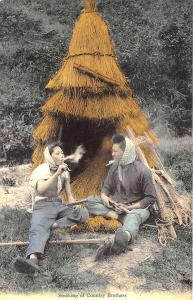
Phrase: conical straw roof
pixel 90 48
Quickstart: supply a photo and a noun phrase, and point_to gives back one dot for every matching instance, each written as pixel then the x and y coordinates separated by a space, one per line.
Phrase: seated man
pixel 47 181
pixel 129 182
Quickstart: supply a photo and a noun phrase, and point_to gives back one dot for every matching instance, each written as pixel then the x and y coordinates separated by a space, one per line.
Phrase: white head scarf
pixel 49 160
pixel 53 167
pixel 129 155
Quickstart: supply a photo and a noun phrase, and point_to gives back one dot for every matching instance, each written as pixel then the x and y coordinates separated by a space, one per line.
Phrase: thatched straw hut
pixel 91 100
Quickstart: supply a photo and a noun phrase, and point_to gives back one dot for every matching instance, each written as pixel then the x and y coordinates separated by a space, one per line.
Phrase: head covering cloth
pixel 129 155
pixel 54 167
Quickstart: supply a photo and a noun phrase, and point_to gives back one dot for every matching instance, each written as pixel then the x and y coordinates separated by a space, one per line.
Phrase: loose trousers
pixel 130 222
pixel 45 213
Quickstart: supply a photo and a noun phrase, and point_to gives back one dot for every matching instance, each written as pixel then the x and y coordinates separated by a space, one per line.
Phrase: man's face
pixel 58 155
pixel 117 153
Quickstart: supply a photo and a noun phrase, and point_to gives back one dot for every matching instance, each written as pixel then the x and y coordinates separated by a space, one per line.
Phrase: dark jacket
pixel 136 185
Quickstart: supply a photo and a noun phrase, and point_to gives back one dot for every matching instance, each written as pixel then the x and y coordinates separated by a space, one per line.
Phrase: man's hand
pixel 72 200
pixel 119 208
pixel 105 200
pixel 134 205
pixel 61 169
pixel 122 208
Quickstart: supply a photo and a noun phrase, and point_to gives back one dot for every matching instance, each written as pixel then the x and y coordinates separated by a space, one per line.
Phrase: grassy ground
pixel 146 267
pixel 176 154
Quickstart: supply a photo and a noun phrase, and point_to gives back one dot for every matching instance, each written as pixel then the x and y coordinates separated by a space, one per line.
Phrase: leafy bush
pixel 16 143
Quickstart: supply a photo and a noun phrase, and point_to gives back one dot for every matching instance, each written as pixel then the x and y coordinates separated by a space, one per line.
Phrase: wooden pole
pixel 55 242
pixel 97 75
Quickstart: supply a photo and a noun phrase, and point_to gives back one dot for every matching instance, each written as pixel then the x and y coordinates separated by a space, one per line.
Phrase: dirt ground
pixel 145 267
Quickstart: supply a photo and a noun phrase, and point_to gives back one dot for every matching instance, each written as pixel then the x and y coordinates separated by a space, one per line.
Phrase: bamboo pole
pixel 55 242
pixel 97 75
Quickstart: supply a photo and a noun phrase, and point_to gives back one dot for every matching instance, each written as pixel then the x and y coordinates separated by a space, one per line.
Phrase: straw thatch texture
pixel 96 224
pixel 68 77
pixel 139 123
pixel 93 224
pixel 97 75
pixel 91 107
pixel 48 129
pixel 38 155
pixel 90 35
pixel 91 48
pixel 89 5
